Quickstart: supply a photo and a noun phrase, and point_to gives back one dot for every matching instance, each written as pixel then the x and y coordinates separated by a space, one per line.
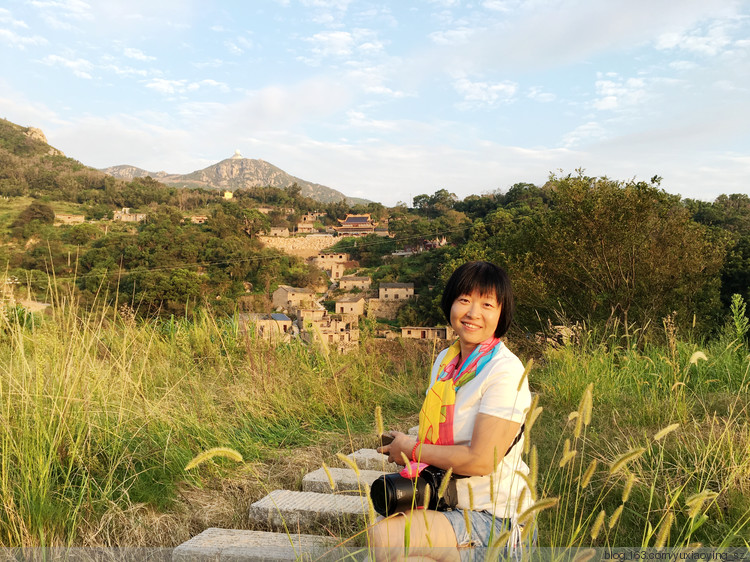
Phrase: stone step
pixel 285 509
pixel 370 459
pixel 236 545
pixel 345 481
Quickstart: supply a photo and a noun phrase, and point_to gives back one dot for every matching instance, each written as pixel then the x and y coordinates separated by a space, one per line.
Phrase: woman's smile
pixel 474 318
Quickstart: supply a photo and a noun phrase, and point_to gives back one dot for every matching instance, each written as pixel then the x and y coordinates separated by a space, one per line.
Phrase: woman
pixel 471 419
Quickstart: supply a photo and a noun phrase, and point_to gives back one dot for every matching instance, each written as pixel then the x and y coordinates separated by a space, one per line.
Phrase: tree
pixel 605 249
pixel 31 218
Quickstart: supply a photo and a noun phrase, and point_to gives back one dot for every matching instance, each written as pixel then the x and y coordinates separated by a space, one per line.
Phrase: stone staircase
pixel 293 516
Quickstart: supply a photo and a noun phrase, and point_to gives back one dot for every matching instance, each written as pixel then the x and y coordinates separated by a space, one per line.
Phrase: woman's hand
pixel 401 443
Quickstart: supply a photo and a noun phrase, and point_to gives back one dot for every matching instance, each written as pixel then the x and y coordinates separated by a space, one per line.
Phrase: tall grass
pixel 99 414
pixel 665 459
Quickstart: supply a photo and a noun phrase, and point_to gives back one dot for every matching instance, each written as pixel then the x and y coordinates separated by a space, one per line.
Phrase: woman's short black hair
pixel 487 279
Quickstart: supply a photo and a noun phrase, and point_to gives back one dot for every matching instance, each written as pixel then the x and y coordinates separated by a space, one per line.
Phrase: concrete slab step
pixel 235 545
pixel 285 509
pixel 370 459
pixel 345 481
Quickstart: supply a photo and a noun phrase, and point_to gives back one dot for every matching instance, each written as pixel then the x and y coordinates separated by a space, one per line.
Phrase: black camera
pixel 392 492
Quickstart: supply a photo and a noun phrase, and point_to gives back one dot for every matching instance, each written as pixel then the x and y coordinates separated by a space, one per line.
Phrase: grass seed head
pixel 538 506
pixel 697 356
pixel 615 516
pixel 533 466
pixel 597 526
pixel 348 462
pixel 330 477
pixel 588 474
pixel 628 487
pixel 379 427
pixel 426 502
pixel 585 555
pixel 225 452
pixel 666 431
pixel 444 483
pixel 567 458
pixel 525 374
pixel 467 521
pixel 625 458
pixel 663 535
pixel 696 502
pixel 587 404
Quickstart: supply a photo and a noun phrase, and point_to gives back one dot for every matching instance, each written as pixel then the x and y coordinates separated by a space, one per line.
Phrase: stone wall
pixel 300 246
pixel 387 309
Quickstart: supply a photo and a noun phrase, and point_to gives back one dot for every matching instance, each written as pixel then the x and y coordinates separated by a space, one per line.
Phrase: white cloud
pixel 137 54
pixel 497 5
pixel 615 93
pixel 80 67
pixel 537 94
pixel 6 17
pixel 484 94
pixel 20 42
pixel 359 120
pixel 458 36
pixel 125 70
pixel 584 134
pixel 682 65
pixel 710 43
pixel 61 14
pixel 332 44
pixel 171 87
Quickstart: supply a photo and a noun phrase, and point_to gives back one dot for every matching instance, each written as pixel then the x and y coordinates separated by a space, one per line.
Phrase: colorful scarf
pixel 436 416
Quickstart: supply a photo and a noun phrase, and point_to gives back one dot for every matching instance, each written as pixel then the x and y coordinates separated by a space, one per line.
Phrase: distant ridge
pixel 236 173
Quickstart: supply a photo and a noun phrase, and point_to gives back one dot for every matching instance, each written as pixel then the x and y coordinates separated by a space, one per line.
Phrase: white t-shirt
pixel 493 391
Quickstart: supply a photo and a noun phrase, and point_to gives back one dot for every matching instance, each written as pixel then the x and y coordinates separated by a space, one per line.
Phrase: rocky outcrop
pixel 37 135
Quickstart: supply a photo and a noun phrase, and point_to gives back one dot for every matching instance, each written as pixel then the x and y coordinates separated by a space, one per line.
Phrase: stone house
pixel 324 260
pixel 395 291
pixel 332 264
pixel 336 272
pixel 342 333
pixel 351 305
pixel 125 215
pixel 308 315
pixel 427 332
pixel 272 327
pixel 279 231
pixel 198 219
pixel 304 228
pixel 291 297
pixel 349 282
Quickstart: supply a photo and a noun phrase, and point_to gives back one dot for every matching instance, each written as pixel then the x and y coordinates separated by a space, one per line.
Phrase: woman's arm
pixel 490 434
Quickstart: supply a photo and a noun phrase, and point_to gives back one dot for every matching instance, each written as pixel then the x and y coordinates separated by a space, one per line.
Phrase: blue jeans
pixel 485 530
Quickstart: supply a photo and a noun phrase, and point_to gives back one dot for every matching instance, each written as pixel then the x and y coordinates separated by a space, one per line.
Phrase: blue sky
pixel 388 100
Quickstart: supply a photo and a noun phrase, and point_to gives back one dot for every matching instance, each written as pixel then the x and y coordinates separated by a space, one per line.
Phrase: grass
pixel 680 409
pixel 100 414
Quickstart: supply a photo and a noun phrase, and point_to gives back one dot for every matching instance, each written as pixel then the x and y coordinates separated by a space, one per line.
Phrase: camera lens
pixel 392 492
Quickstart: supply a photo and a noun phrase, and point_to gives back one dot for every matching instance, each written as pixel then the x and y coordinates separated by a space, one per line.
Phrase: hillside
pixel 236 173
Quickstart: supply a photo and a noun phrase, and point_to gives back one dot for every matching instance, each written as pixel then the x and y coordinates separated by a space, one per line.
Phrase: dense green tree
pixel 607 250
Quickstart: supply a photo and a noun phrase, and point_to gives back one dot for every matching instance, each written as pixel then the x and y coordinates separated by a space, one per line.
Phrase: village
pixel 299 312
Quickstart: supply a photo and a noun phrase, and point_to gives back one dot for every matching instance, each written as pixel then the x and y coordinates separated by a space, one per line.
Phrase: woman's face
pixel 474 317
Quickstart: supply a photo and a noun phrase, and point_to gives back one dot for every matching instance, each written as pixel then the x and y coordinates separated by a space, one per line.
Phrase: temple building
pixel 356 225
